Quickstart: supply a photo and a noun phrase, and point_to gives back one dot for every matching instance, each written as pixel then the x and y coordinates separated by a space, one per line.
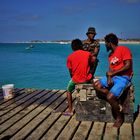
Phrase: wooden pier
pixel 37 115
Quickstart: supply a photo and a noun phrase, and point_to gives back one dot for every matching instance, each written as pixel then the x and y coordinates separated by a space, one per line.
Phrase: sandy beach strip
pixel 124 42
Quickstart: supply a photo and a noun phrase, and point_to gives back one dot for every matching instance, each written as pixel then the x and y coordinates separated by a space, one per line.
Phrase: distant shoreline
pixel 124 42
pixel 68 42
pixel 129 42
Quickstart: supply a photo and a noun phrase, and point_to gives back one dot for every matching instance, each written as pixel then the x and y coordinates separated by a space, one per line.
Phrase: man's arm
pixel 127 65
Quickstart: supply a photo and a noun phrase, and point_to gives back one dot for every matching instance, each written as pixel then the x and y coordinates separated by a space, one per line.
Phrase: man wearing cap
pixel 92 45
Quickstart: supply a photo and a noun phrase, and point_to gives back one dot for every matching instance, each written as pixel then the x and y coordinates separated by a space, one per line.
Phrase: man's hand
pixel 109 81
pixel 109 74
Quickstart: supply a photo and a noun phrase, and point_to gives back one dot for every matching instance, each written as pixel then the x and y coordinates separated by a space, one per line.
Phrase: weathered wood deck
pixel 36 114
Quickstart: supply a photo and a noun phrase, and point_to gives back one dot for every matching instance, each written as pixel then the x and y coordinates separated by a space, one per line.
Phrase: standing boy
pixel 92 45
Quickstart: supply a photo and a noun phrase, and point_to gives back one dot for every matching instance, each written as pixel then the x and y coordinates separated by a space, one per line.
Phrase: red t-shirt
pixel 116 59
pixel 78 62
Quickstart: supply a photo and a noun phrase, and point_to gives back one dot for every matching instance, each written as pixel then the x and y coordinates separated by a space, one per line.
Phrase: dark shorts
pixel 120 83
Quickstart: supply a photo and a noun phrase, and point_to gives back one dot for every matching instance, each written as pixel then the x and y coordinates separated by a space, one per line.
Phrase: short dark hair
pixel 111 38
pixel 76 44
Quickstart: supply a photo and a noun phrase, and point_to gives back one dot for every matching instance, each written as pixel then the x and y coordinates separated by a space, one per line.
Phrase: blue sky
pixel 24 20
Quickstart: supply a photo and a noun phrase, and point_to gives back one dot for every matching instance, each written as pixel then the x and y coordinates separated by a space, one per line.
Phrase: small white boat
pixel 30 47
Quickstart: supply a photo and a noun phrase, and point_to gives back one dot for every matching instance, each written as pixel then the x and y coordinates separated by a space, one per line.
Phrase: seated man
pixel 117 77
pixel 78 63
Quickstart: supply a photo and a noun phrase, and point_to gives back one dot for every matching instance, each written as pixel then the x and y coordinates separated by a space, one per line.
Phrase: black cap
pixel 91 30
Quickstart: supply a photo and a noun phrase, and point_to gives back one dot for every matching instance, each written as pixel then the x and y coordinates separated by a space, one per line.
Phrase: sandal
pixel 67 113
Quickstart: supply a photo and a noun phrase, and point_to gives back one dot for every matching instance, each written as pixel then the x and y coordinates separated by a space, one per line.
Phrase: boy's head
pixel 76 44
pixel 91 32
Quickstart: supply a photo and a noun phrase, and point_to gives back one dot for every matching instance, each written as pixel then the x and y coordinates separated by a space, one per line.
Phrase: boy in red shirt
pixel 78 63
pixel 117 77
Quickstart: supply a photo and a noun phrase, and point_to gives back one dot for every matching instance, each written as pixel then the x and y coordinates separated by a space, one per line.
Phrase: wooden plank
pixel 96 131
pixel 125 132
pixel 69 130
pixel 49 122
pixel 137 128
pixel 19 102
pixel 23 104
pixel 37 120
pixel 24 121
pixel 50 129
pixel 83 131
pixel 111 133
pixel 56 129
pixel 41 98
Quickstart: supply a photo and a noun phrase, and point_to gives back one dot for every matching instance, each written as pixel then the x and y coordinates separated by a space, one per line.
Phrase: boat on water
pixel 30 47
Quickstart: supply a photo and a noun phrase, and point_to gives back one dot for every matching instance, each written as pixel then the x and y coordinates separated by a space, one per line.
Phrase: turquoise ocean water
pixel 44 65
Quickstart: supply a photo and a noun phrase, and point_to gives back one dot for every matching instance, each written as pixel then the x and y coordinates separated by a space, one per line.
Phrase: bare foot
pixel 118 122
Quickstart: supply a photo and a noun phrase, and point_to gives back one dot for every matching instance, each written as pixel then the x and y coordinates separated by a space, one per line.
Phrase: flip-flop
pixel 67 113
